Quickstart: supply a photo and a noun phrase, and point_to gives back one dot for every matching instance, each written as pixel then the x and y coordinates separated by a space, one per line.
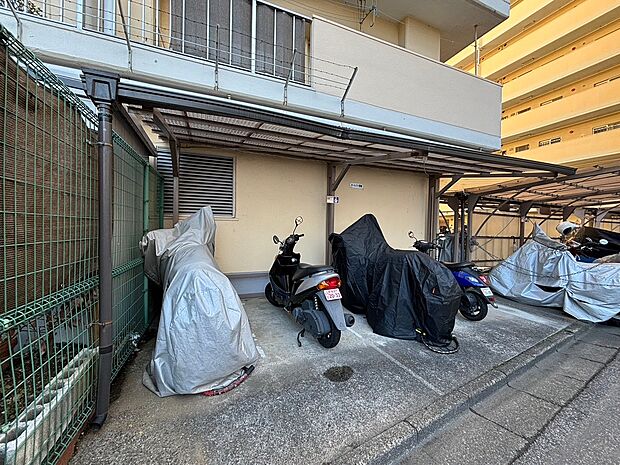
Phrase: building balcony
pixel 550 36
pixel 587 151
pixel 267 55
pixel 582 106
pixel 599 55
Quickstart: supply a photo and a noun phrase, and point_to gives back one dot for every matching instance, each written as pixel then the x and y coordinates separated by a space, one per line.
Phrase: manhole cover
pixel 339 374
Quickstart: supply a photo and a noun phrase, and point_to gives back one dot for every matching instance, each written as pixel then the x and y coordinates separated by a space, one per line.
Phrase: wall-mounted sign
pixel 333 199
pixel 356 185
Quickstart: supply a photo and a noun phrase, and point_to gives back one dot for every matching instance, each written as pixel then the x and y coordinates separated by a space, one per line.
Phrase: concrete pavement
pixel 564 409
pixel 289 411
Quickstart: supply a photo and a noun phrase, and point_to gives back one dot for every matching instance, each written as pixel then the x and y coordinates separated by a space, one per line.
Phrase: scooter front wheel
pixel 473 306
pixel 271 296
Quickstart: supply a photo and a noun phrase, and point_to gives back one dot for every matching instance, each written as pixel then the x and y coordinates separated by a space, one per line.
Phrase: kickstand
pixel 299 335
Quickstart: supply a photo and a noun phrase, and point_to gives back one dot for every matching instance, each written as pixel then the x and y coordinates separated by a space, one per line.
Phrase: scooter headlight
pixel 330 283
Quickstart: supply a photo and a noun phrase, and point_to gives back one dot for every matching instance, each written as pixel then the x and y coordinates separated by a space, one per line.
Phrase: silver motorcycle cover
pixel 204 339
pixel 543 273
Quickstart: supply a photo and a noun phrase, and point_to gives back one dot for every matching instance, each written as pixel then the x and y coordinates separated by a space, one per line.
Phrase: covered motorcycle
pixel 204 341
pixel 405 294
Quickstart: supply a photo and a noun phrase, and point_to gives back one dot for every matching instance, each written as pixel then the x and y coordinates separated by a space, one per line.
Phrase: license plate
pixel 332 294
pixel 486 291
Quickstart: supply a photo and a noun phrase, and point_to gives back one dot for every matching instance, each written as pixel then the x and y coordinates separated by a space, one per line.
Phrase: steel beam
pixel 445 188
pixel 173 143
pixel 137 94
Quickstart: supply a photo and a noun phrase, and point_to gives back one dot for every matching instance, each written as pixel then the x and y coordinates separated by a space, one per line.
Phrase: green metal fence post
pixel 101 88
pixel 145 220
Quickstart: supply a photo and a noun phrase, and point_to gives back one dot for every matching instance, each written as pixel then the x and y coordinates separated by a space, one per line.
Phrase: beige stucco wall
pixel 419 37
pixel 271 191
pixel 414 84
pixel 398 199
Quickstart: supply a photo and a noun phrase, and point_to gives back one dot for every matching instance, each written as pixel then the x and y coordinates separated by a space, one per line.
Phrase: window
pixel 553 140
pixel 606 127
pixel 203 180
pixel 222 30
pixel 524 110
pixel 547 102
pixel 522 148
pixel 605 81
pixel 279 36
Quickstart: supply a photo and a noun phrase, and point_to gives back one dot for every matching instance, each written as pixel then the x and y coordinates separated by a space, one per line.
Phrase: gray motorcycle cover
pixel 544 273
pixel 204 339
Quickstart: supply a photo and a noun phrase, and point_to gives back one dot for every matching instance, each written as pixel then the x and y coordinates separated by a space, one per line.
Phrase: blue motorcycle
pixel 477 295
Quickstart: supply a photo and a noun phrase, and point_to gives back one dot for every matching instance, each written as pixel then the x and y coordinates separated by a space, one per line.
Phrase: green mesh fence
pixel 48 261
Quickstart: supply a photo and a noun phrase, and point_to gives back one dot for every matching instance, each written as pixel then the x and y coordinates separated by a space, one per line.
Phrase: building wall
pixel 271 191
pixel 398 199
pixel 415 84
pixel 559 63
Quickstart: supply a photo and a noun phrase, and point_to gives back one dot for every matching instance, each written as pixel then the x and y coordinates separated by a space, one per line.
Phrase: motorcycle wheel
pixel 331 339
pixel 270 296
pixel 473 306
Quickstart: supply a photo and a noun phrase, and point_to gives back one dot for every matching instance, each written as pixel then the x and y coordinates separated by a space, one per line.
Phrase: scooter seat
pixel 458 266
pixel 305 269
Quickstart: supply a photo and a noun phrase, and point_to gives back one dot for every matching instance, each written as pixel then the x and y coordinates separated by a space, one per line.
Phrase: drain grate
pixel 339 374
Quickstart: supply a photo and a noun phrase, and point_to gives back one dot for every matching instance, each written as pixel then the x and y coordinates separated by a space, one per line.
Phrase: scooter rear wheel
pixel 271 296
pixel 473 306
pixel 331 339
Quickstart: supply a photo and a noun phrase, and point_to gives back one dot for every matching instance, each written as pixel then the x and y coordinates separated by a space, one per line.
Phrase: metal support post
pixel 330 209
pixel 433 208
pixel 146 209
pixel 101 88
pixel 217 57
pixel 125 31
pixel 472 201
pixel 288 77
pixel 476 52
pixel 344 96
pixel 453 203
pixel 567 212
pixel 524 209
pixel 463 238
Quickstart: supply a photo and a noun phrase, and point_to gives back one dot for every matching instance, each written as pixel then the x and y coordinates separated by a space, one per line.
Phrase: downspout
pixel 101 88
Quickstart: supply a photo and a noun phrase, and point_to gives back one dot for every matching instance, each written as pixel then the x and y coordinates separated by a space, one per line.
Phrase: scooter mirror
pixel 411 235
pixel 298 220
pixel 276 240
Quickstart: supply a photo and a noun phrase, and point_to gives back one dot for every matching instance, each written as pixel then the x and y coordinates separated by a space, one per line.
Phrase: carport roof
pixel 221 123
pixel 586 188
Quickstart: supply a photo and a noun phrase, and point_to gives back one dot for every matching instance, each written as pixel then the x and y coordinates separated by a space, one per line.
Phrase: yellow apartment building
pixel 559 64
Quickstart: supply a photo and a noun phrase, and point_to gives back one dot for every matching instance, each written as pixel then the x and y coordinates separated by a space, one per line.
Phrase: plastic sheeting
pixel 204 340
pixel 544 273
pixel 400 291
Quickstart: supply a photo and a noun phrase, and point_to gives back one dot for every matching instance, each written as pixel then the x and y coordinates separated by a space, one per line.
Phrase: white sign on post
pixel 356 185
pixel 333 199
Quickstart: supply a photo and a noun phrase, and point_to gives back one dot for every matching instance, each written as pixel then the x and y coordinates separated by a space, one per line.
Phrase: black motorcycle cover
pixel 596 243
pixel 402 292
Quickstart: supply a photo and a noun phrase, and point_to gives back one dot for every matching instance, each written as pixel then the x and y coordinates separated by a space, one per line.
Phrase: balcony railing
pixel 248 35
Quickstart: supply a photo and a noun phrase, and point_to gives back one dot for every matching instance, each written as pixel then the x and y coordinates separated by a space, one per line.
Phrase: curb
pixel 392 443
